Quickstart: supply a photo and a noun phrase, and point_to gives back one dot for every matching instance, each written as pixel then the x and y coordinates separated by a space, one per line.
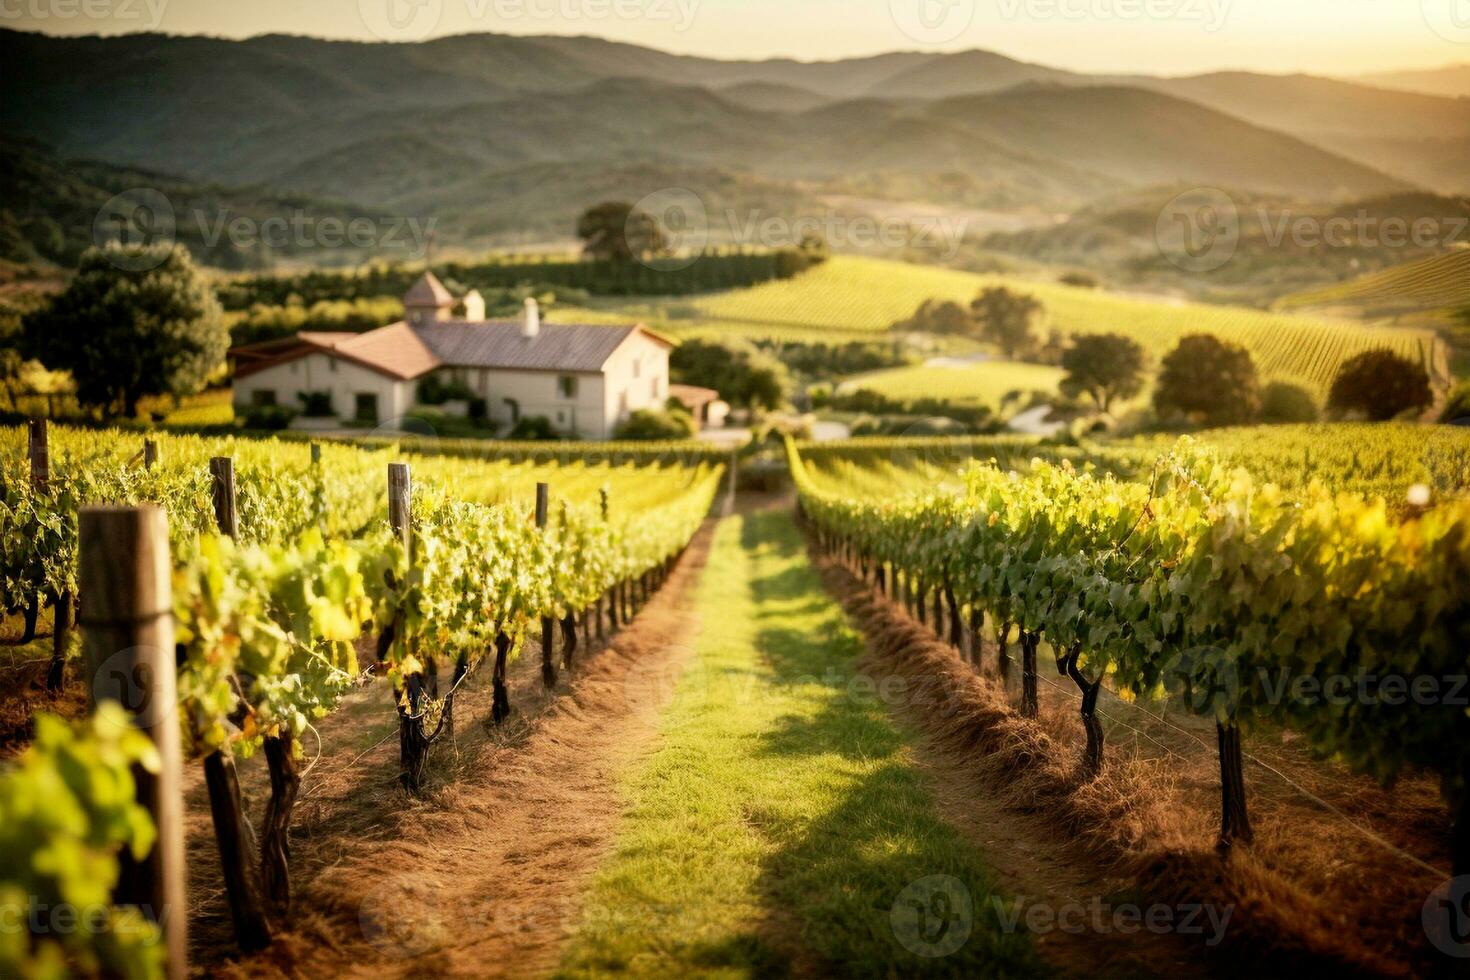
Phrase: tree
pixel 741 373
pixel 135 321
pixel 938 316
pixel 1105 366
pixel 1006 319
pixel 1209 381
pixel 616 230
pixel 1380 385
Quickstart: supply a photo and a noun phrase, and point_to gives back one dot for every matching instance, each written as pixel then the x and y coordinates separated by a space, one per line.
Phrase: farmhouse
pixel 584 379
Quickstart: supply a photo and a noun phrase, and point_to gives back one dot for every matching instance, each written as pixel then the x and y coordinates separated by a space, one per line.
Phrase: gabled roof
pixel 429 292
pixel 573 347
pixel 406 352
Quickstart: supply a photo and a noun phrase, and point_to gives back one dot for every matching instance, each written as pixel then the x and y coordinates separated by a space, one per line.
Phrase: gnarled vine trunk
pixel 1235 822
pixel 500 696
pixel 60 639
pixel 1030 705
pixel 236 841
pixel 275 838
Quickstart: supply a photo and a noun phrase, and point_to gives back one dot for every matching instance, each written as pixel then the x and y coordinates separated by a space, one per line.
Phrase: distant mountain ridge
pixel 442 126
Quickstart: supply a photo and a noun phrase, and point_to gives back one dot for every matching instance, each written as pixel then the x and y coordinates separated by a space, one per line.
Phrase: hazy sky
pixel 1324 36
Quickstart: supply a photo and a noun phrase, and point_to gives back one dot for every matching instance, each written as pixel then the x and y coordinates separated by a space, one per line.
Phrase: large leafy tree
pixel 1207 380
pixel 1380 385
pixel 134 321
pixel 1006 319
pixel 617 230
pixel 1105 366
pixel 741 373
pixel 938 316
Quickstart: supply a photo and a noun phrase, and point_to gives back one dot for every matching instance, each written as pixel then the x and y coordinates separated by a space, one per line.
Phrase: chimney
pixel 474 306
pixel 531 319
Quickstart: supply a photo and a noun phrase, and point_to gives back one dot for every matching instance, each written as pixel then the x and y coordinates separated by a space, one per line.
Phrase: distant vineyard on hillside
pixel 852 298
pixel 1437 283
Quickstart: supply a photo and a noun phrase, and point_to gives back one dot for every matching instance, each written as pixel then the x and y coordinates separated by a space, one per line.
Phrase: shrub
pixel 534 427
pixel 270 418
pixel 649 423
pixel 1081 280
pixel 434 390
pixel 1284 402
pixel 1380 385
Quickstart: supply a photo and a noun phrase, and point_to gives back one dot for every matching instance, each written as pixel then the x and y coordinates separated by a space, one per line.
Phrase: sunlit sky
pixel 1339 37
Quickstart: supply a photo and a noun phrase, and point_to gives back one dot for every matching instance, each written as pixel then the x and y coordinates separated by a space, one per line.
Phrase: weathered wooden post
pixel 729 507
pixel 40 455
pixel 150 453
pixel 222 469
pixel 316 454
pixel 548 663
pixel 128 644
pixel 400 498
pixel 412 748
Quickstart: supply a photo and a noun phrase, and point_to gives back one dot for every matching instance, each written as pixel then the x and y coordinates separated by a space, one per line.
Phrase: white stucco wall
pixel 316 372
pixel 537 393
pixel 637 376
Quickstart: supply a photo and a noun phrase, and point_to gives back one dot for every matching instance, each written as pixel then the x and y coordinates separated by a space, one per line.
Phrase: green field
pixel 985 383
pixel 854 298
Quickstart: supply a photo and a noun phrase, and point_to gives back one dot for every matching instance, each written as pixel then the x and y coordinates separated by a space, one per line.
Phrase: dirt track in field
pixel 485 876
pixel 1302 896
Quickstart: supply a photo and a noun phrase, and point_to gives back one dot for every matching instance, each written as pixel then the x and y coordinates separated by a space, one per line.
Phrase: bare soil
pixel 1314 892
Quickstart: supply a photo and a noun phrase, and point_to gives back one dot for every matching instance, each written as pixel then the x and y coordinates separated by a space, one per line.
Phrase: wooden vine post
pixel 150 454
pixel 128 644
pixel 729 507
pixel 412 746
pixel 64 602
pixel 548 663
pixel 40 460
pixel 232 830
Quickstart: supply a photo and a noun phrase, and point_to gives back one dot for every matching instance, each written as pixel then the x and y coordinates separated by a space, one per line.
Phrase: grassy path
pixel 780 827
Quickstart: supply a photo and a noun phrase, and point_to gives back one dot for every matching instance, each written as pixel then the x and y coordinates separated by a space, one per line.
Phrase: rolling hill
pixel 426 126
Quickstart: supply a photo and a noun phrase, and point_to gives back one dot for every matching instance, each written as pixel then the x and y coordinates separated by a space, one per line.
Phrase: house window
pixel 484 380
pixel 263 396
pixel 566 386
pixel 294 366
pixel 367 407
pixel 515 409
pixel 637 367
pixel 653 388
pixel 332 364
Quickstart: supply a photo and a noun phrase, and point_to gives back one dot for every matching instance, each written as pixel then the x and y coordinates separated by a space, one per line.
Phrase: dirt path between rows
pixel 485 876
pixel 1136 835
